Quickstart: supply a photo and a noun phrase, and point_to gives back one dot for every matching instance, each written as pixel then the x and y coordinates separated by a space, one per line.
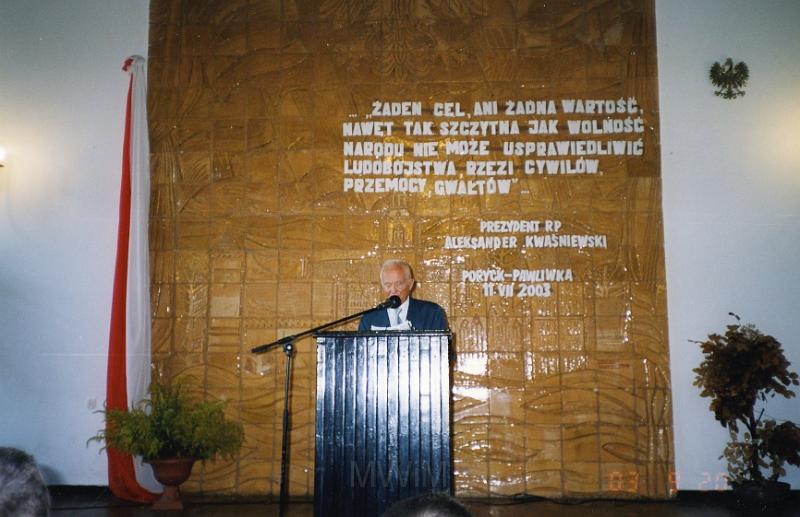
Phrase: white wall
pixel 731 175
pixel 731 194
pixel 62 102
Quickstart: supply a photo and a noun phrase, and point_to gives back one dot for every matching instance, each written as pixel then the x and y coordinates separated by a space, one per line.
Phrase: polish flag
pixel 128 375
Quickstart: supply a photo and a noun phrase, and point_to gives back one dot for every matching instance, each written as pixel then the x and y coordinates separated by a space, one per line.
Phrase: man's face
pixel 395 283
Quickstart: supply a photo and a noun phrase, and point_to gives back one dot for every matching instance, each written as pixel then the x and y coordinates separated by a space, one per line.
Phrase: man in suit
pixel 398 280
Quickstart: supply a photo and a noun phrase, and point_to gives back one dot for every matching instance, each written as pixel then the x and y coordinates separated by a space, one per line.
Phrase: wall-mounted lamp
pixel 3 154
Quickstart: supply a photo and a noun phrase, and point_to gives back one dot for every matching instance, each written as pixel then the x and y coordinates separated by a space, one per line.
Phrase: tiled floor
pixel 97 502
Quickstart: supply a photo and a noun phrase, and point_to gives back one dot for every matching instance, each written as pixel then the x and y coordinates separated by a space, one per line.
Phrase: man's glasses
pixel 395 285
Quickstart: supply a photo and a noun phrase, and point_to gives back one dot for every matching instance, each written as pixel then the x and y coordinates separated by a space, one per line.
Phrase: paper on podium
pixel 406 325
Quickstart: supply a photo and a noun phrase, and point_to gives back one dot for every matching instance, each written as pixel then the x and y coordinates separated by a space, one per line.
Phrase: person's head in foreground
pixel 22 488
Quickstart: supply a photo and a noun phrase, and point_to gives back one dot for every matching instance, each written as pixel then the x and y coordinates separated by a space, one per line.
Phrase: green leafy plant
pixel 739 369
pixel 171 425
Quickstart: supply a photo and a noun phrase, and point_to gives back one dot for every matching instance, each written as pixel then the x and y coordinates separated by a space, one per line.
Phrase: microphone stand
pixel 287 343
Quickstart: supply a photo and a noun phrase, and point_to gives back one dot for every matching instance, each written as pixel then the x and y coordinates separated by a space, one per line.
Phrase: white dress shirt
pixel 398 315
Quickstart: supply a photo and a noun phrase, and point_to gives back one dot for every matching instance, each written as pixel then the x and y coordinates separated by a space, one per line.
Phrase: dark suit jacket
pixel 422 314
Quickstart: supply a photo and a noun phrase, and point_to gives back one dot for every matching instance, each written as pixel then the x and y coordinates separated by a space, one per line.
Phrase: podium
pixel 382 419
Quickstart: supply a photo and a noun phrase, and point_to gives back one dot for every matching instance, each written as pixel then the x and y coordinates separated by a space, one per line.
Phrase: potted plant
pixel 170 431
pixel 740 369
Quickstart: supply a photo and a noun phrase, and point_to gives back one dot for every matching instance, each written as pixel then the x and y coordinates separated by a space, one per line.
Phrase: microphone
pixel 392 302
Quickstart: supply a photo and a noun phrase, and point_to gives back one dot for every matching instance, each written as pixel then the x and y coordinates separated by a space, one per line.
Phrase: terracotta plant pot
pixel 171 473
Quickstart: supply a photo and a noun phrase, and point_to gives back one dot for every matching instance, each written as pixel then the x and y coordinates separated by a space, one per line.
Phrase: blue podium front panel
pixel 382 419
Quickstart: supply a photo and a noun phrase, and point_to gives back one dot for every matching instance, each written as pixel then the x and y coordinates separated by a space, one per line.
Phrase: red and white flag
pixel 129 340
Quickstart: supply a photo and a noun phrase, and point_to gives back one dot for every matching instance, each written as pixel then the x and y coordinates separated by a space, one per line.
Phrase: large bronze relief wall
pixel 272 209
